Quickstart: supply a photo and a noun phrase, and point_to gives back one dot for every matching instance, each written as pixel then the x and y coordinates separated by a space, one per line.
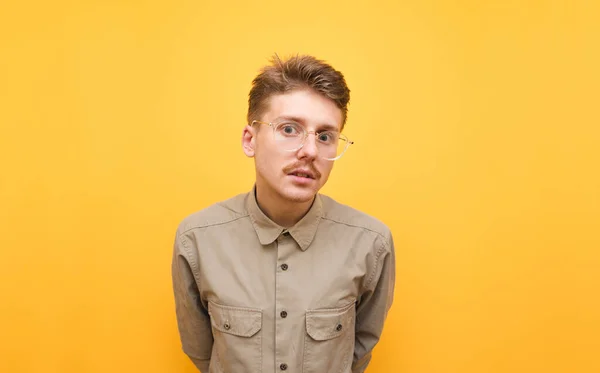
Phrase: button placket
pixel 286 246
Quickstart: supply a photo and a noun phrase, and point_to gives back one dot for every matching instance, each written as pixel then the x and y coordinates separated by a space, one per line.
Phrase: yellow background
pixel 476 126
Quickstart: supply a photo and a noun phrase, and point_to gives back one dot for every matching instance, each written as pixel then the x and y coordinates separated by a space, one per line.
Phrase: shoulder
pixel 343 214
pixel 218 213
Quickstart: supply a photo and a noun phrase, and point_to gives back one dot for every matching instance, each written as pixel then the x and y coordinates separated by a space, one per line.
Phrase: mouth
pixel 302 174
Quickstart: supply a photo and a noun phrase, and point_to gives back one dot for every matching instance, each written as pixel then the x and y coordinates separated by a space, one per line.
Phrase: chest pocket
pixel 329 341
pixel 237 338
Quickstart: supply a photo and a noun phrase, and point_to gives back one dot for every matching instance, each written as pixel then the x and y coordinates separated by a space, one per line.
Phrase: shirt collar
pixel 303 232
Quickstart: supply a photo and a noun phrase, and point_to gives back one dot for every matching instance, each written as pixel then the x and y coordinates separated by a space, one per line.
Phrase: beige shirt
pixel 253 297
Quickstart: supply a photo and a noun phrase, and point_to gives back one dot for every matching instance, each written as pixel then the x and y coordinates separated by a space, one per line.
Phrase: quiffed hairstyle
pixel 297 72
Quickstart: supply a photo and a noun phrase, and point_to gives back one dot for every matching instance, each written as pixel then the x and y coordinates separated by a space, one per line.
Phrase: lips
pixel 303 173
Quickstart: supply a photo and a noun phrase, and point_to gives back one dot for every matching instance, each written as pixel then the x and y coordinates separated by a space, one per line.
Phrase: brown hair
pixel 300 71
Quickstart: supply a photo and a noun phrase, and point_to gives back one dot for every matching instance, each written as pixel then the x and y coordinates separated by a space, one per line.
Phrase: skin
pixel 284 198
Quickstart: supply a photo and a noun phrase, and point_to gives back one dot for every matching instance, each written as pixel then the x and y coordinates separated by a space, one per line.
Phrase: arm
pixel 373 306
pixel 193 320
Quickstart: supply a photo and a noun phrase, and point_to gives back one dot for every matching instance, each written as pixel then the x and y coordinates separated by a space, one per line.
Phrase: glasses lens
pixel 331 144
pixel 289 135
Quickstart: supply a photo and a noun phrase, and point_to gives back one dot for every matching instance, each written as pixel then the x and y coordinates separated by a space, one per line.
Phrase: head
pixel 288 97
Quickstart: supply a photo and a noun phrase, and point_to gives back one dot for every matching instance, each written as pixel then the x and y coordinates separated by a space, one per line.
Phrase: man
pixel 283 278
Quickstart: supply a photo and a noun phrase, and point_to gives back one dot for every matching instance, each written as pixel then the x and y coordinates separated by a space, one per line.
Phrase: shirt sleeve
pixel 193 320
pixel 374 305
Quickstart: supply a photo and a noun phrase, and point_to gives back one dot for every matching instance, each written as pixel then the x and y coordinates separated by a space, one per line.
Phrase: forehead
pixel 306 106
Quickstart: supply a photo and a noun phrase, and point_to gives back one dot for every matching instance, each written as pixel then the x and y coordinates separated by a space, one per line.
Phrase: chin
pixel 299 195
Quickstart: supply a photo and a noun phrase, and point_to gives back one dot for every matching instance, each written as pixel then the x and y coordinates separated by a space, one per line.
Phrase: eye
pixel 327 137
pixel 289 129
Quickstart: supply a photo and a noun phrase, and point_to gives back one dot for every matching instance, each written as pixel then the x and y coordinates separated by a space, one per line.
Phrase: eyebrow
pixel 321 127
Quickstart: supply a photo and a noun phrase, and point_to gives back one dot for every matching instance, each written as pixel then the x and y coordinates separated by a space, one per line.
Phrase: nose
pixel 309 149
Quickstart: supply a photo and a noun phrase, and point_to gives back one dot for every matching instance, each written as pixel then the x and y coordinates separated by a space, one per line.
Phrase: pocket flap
pixel 324 324
pixel 240 321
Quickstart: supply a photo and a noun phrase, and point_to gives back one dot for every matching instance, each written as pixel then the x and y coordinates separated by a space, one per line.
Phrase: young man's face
pixel 283 172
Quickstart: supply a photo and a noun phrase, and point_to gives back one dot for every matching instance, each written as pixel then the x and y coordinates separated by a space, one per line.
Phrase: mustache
pixel 297 165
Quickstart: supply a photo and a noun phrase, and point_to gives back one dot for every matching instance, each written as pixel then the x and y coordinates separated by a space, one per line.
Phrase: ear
pixel 249 141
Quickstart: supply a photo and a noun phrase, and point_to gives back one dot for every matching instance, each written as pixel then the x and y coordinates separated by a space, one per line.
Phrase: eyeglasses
pixel 291 136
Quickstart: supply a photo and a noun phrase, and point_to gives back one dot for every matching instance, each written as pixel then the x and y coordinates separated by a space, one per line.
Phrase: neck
pixel 281 211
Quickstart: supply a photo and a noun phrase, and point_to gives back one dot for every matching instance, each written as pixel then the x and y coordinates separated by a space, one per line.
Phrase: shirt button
pixel 338 327
pixel 283 314
pixel 284 267
pixel 283 366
